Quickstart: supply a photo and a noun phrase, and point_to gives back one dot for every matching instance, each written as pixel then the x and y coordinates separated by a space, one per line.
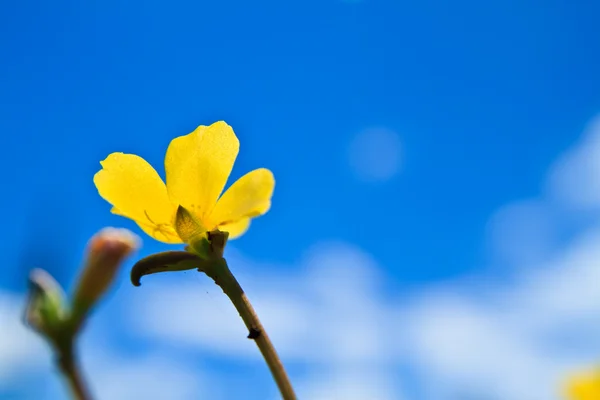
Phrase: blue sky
pixel 483 106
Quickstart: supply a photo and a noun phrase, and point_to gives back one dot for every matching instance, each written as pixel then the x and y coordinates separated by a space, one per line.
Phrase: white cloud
pixel 463 347
pixel 328 316
pixel 20 349
pixel 350 384
pixel 375 154
pixel 575 177
pixel 462 339
pixel 152 377
pixel 521 233
pixel 304 314
pixel 569 287
pixel 25 359
pixel 452 345
pixel 187 317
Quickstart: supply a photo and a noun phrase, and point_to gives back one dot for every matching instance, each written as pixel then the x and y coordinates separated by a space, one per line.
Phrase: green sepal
pixel 210 245
pixel 187 226
pixel 200 246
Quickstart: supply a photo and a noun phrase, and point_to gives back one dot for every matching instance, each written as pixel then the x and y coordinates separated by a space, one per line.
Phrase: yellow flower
pixel 197 166
pixel 584 386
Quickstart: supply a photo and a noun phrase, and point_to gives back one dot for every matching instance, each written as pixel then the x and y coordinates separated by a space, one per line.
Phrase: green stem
pixel 66 362
pixel 219 271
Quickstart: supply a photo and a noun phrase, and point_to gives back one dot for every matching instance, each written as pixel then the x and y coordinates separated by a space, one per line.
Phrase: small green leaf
pixel 164 262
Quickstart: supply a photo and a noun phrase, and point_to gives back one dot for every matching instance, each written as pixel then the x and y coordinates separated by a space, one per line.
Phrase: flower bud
pixel 106 250
pixel 46 305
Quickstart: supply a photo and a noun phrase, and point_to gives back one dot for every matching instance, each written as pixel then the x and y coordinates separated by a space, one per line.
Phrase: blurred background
pixel 435 229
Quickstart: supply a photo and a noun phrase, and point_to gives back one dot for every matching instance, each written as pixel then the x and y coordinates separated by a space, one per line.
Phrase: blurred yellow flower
pixel 584 386
pixel 197 167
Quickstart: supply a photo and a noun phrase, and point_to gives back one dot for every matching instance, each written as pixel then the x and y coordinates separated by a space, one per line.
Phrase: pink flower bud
pixel 106 250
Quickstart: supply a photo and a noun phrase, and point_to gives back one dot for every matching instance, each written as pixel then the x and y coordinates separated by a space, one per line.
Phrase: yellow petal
pixel 585 386
pixel 248 197
pixel 136 191
pixel 198 166
pixel 236 229
pixel 162 233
